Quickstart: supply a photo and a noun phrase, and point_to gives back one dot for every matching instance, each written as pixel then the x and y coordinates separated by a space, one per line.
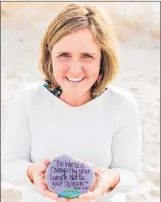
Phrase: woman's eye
pixel 87 56
pixel 64 55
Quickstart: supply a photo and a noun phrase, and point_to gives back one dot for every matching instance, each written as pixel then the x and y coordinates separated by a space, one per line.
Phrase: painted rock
pixel 69 177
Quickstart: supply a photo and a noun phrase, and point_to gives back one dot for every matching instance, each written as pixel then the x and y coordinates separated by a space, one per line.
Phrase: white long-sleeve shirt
pixel 106 130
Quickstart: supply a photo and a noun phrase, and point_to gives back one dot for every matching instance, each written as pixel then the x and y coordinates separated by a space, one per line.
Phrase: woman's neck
pixel 75 101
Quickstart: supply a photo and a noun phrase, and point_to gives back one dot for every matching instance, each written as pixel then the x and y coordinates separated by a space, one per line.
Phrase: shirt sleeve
pixel 126 146
pixel 16 142
pixel 126 149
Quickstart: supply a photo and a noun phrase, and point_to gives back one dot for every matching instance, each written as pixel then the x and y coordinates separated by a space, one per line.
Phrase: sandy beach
pixel 138 31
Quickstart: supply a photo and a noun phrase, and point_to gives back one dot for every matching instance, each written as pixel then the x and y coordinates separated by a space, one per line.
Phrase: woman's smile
pixel 73 80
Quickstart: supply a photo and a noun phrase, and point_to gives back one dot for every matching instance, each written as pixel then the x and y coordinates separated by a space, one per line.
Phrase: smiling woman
pixel 74 111
pixel 79 44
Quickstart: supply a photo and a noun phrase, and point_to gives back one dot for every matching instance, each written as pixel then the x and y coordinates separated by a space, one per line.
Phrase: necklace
pixel 57 91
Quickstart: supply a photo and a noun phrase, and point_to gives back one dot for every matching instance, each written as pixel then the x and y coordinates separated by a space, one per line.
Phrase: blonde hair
pixel 70 19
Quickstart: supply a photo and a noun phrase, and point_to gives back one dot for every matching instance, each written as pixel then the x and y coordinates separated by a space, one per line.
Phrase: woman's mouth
pixel 75 80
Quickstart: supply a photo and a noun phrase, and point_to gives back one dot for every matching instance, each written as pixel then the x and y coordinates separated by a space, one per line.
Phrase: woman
pixel 74 112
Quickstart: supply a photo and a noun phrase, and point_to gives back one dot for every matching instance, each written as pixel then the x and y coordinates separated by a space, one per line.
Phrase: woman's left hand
pixel 106 179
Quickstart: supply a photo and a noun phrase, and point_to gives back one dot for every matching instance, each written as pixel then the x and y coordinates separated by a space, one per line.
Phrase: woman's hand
pixel 106 180
pixel 36 174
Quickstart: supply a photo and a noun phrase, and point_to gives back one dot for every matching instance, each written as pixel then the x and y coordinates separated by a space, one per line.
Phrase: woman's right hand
pixel 36 174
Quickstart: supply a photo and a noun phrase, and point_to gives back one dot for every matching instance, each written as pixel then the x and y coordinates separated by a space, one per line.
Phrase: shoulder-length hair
pixel 70 19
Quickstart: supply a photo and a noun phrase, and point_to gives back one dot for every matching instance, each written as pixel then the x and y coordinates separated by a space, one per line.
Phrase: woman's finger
pixel 49 194
pixel 42 180
pixel 43 189
pixel 88 196
pixel 95 184
pixel 74 200
pixel 46 162
pixel 103 185
pixel 62 200
pixel 44 167
pixel 103 174
pixel 99 191
pixel 99 170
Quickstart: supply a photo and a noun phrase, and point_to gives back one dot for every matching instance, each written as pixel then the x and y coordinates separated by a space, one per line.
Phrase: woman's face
pixel 76 62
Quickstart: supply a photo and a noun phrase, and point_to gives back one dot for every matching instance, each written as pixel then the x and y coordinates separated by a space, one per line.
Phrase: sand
pixel 137 26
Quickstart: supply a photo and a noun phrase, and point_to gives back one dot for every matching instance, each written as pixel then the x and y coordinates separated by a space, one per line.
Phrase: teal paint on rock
pixel 69 194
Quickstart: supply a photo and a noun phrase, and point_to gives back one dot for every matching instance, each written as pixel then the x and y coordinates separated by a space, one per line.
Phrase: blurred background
pixel 138 30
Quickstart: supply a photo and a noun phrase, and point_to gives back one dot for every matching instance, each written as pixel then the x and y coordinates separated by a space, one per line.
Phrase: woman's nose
pixel 75 67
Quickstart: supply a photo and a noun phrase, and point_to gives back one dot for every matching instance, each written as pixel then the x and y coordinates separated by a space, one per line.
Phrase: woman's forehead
pixel 81 39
